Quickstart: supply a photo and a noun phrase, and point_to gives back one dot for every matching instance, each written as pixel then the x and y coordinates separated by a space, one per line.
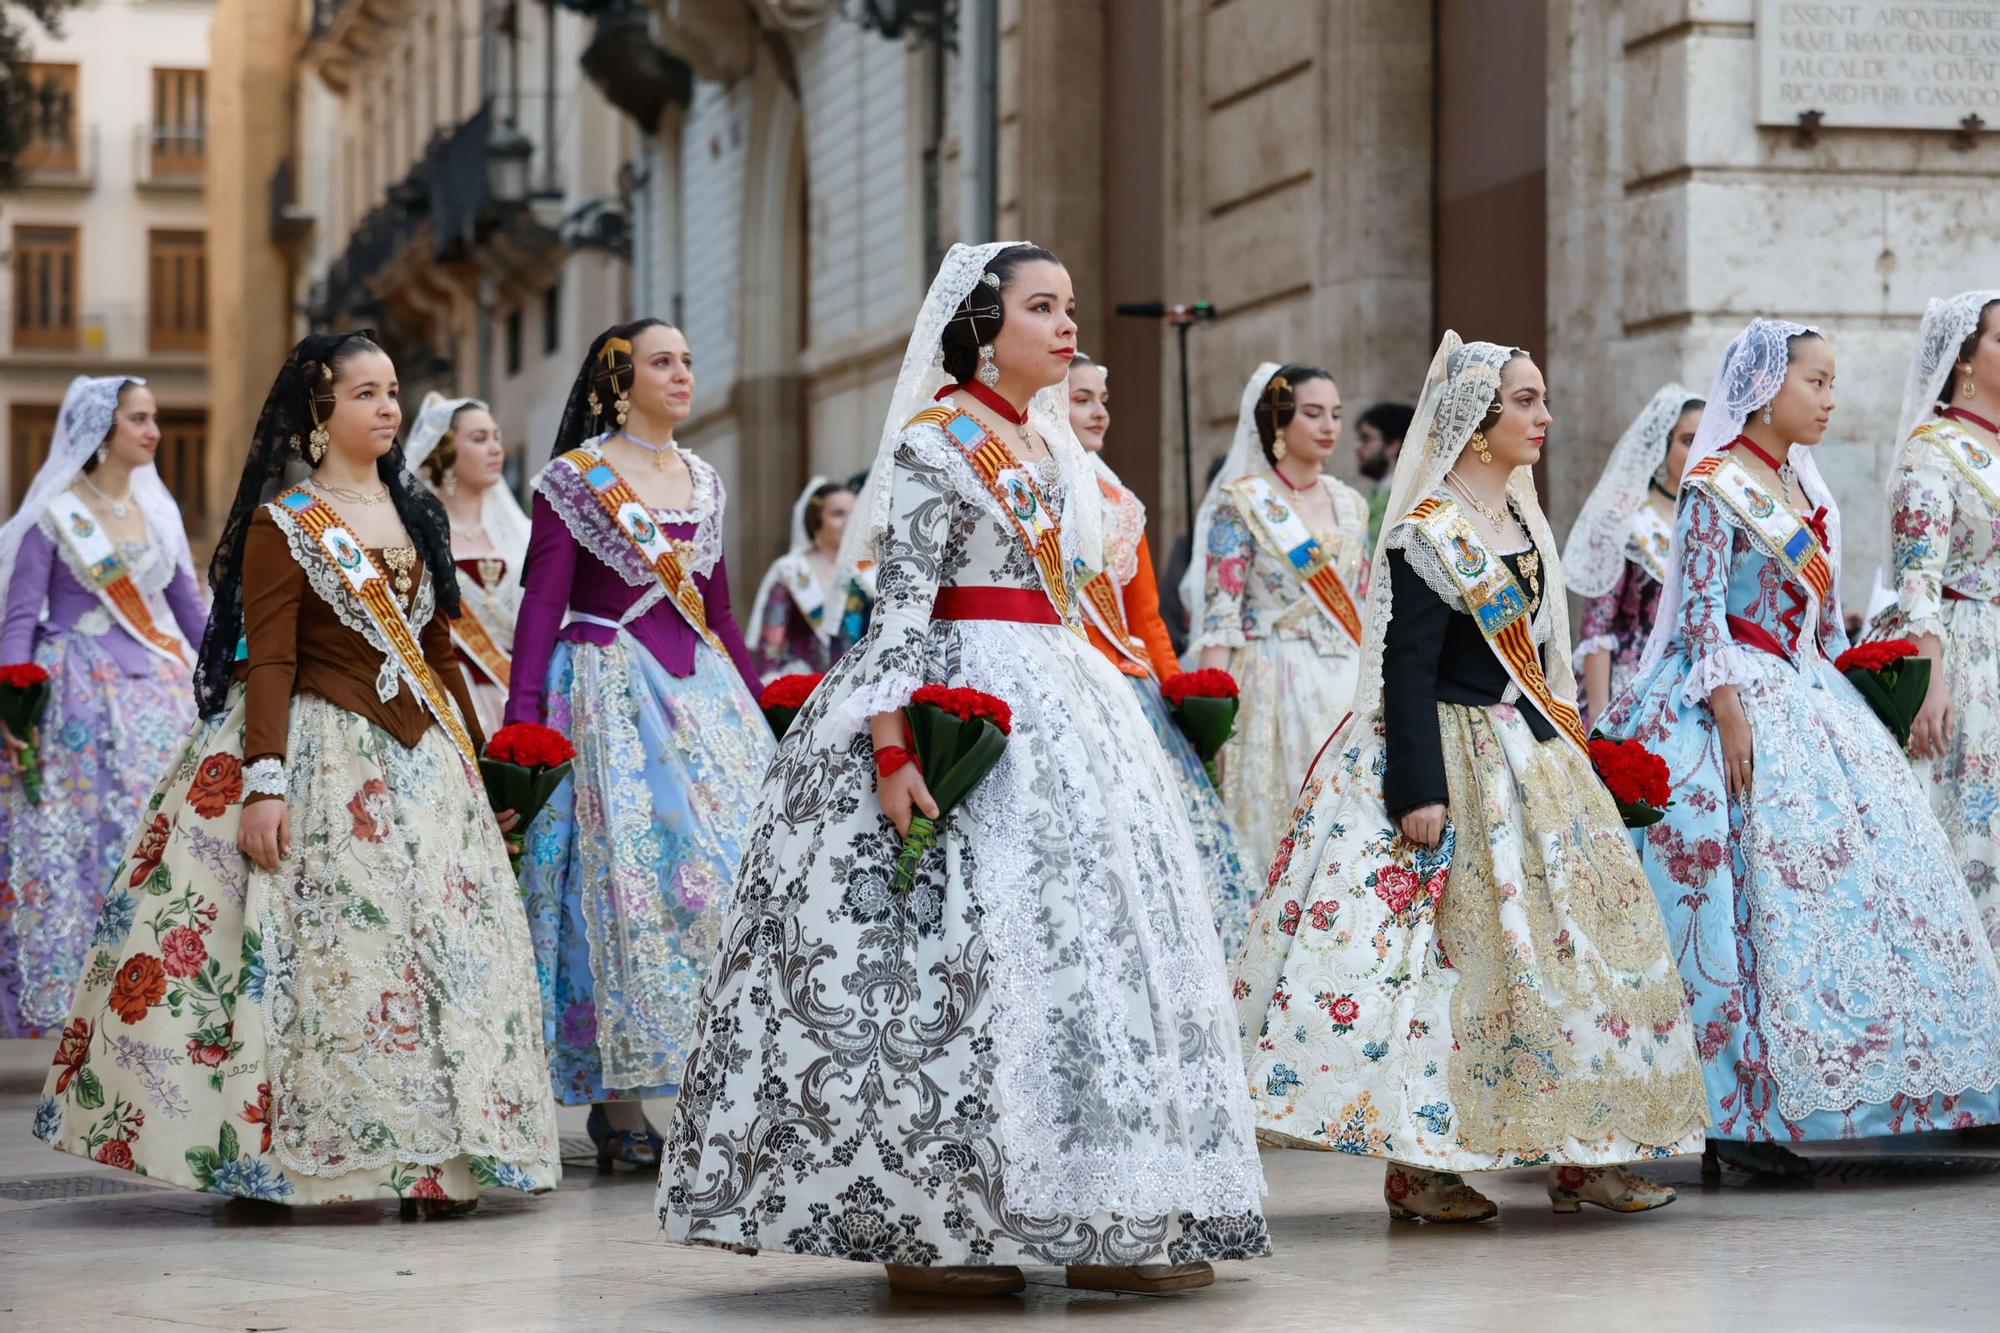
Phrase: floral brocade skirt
pixel 360 1023
pixel 1504 1000
pixel 1292 696
pixel 104 742
pixel 1232 887
pixel 1839 979
pixel 629 865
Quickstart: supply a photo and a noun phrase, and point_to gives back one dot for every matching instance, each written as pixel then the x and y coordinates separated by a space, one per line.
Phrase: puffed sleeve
pixel 1707 544
pixel 1921 509
pixel 26 593
pixel 444 664
pixel 273 588
pixel 1609 622
pixel 1224 623
pixel 1142 616
pixel 545 588
pixel 714 587
pixel 1415 773
pixel 190 609
pixel 921 503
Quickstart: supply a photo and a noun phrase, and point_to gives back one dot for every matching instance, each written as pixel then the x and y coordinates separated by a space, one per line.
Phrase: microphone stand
pixel 1182 318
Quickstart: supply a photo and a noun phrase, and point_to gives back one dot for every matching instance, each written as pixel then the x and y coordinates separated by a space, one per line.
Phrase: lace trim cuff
pixel 1596 643
pixel 265 777
pixel 890 692
pixel 1724 664
pixel 1229 636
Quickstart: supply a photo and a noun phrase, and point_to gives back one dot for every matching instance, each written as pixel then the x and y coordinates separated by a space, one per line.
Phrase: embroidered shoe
pixel 1613 1187
pixel 1415 1194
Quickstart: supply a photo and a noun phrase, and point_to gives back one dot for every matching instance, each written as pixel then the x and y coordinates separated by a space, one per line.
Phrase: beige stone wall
pixel 1674 219
pixel 1298 200
pixel 253 80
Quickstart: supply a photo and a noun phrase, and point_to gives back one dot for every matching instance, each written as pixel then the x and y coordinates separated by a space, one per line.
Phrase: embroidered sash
pixel 331 539
pixel 661 553
pixel 1799 551
pixel 1651 542
pixel 472 638
pixel 1280 529
pixel 1104 605
pixel 1013 487
pixel 110 578
pixel 1973 460
pixel 1498 606
pixel 796 573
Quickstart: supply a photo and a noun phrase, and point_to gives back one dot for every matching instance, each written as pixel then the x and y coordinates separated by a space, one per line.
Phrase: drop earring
pixel 1278 449
pixel 104 451
pixel 622 408
pixel 451 482
pixel 1767 416
pixel 1971 390
pixel 316 444
pixel 989 374
pixel 1479 446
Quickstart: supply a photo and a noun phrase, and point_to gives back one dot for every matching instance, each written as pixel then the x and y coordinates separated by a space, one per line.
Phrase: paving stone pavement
pixel 1863 1249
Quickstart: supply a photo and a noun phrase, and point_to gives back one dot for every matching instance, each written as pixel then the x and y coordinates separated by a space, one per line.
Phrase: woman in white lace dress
pixel 1028 1058
pixel 1275 593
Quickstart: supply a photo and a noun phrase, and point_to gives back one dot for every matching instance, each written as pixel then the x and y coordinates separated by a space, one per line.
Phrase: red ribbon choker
pixel 979 393
pixel 1960 414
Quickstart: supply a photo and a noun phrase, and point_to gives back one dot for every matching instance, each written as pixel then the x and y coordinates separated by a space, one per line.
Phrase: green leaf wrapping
pixel 781 719
pixel 956 754
pixel 1207 722
pixel 519 788
pixel 1640 816
pixel 1896 695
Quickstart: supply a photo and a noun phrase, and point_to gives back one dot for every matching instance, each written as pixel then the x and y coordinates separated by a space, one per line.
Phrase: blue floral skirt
pixel 1232 891
pixel 629 865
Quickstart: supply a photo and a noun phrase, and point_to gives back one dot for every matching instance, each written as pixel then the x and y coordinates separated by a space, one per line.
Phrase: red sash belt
pixel 1027 606
pixel 1753 635
pixel 1954 595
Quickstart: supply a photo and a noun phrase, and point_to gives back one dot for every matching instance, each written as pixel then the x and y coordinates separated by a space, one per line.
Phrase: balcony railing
pixel 63 160
pixel 170 157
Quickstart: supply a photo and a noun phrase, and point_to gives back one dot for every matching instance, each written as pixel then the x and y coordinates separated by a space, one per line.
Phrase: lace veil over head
pixel 1594 557
pixel 1462 385
pixel 89 409
pixel 917 385
pixel 1751 372
pixel 507 525
pixel 1245 456
pixel 1946 326
pixel 801 542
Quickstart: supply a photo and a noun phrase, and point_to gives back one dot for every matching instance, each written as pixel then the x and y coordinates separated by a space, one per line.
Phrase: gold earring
pixel 1971 390
pixel 1278 449
pixel 623 407
pixel 1479 446
pixel 316 444
pixel 596 408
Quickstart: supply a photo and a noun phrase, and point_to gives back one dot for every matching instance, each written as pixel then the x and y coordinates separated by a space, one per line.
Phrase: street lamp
pixel 508 159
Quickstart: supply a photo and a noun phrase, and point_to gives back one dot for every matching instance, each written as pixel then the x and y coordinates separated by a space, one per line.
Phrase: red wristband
pixel 890 758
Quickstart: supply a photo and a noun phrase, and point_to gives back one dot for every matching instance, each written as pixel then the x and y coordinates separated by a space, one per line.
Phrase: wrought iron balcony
pixel 170 157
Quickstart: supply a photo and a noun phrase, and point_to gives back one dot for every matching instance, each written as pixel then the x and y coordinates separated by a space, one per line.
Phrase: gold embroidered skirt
pixel 1505 1000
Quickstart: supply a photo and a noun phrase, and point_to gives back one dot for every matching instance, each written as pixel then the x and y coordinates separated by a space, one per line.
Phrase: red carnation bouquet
pixel 523 765
pixel 1636 777
pixel 958 736
pixel 1892 678
pixel 24 697
pixel 784 697
pixel 1204 705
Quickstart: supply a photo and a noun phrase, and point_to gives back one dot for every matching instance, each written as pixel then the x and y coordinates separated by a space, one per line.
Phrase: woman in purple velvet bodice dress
pixel 626 643
pixel 101 593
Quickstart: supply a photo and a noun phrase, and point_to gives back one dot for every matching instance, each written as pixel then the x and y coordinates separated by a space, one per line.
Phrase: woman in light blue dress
pixel 1839 980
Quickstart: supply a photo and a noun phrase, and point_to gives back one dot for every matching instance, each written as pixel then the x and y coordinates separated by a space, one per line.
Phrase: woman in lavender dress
pixel 628 867
pixel 101 593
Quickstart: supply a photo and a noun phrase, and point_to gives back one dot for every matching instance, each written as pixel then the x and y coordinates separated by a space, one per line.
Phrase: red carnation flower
pixel 22 675
pixel 967 705
pixel 1208 683
pixel 1875 656
pixel 531 745
pixel 1633 774
pixel 790 691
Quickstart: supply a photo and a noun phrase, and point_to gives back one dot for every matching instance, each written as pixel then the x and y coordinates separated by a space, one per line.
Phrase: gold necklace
pixel 349 496
pixel 1531 560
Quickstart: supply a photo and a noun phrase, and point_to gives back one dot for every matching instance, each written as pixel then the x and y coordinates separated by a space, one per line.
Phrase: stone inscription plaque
pixel 1888 64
